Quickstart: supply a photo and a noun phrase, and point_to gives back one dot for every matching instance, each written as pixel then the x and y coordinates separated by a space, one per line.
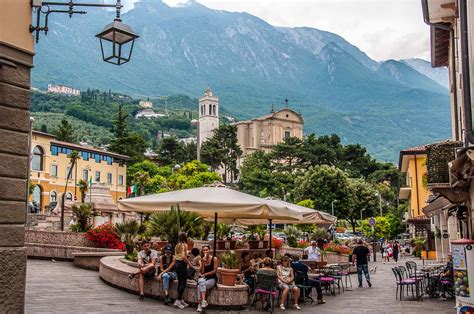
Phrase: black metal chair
pixel 404 282
pixel 302 282
pixel 265 286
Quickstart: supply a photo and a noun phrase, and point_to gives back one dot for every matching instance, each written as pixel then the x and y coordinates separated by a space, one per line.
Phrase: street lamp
pixel 361 211
pixel 380 202
pixel 332 206
pixel 116 39
pixel 176 167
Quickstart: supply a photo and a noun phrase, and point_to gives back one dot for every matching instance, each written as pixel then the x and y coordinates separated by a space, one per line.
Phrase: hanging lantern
pixel 116 42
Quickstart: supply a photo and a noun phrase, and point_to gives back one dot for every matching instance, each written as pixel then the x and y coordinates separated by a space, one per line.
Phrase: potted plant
pixel 128 233
pixel 256 238
pixel 230 269
pixel 224 241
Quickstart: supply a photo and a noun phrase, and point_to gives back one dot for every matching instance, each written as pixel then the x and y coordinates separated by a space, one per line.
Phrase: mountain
pixel 251 64
pixel 439 75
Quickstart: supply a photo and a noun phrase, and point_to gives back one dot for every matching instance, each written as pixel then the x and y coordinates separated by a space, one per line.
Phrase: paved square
pixel 59 287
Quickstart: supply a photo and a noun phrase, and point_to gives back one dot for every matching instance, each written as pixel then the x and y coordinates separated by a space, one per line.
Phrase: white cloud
pixel 384 29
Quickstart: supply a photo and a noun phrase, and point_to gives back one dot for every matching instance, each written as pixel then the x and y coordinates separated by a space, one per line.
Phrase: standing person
pixel 396 251
pixel 359 255
pixel 146 265
pixel 313 252
pixel 207 278
pixel 167 273
pixel 386 259
pixel 181 267
pixel 286 281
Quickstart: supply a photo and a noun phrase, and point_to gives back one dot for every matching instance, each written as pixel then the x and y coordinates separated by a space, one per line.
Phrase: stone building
pixel 62 89
pixel 16 61
pixel 208 115
pixel 50 165
pixel 264 132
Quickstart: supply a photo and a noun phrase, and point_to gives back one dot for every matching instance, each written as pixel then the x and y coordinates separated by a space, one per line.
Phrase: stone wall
pixel 15 65
pixel 65 238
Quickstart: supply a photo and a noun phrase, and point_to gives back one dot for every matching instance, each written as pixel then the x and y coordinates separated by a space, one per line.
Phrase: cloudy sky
pixel 384 29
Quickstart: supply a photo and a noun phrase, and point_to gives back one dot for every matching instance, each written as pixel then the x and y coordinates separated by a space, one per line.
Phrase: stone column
pixel 15 65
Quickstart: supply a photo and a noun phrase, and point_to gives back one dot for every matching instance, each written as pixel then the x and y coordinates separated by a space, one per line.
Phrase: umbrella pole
pixel 215 234
pixel 270 238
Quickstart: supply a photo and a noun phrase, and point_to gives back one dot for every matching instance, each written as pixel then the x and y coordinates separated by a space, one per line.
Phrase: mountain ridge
pixel 251 64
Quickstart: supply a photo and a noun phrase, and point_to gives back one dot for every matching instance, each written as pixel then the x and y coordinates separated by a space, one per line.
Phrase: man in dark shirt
pixel 315 283
pixel 359 255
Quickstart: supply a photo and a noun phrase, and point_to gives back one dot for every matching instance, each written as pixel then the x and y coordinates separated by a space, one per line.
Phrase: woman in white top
pixel 286 281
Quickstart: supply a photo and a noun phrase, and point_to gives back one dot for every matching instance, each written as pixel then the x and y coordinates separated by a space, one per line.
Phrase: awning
pixel 438 205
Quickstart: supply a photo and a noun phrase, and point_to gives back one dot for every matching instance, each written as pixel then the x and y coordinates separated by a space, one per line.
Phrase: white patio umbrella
pixel 214 201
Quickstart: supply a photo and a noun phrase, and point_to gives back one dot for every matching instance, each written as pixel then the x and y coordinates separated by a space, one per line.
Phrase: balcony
pixel 405 186
pixel 438 157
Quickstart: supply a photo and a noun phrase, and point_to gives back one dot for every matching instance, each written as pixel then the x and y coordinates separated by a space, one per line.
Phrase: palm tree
pixel 127 232
pixel 73 156
pixel 83 213
pixel 83 187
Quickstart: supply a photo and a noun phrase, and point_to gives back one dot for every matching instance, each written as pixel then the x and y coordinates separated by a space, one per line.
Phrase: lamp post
pixel 361 211
pixel 332 207
pixel 116 39
pixel 380 202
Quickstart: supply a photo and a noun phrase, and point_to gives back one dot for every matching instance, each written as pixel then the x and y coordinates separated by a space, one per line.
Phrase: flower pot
pixel 226 245
pixel 228 276
pixel 159 245
pixel 255 245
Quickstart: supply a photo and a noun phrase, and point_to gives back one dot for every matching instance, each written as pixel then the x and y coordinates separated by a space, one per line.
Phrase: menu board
pixel 459 257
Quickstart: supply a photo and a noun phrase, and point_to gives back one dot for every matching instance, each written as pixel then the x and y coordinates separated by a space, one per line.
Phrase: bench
pixel 91 260
pixel 115 272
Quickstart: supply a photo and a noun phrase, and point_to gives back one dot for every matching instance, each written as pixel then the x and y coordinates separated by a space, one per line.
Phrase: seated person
pixel 207 278
pixel 256 260
pixel 269 253
pixel 298 266
pixel 146 265
pixel 248 270
pixel 195 257
pixel 286 281
pixel 267 270
pixel 447 274
pixel 313 252
pixel 167 273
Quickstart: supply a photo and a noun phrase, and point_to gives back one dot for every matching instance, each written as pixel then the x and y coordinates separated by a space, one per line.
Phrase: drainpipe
pixel 416 184
pixel 426 18
pixel 466 80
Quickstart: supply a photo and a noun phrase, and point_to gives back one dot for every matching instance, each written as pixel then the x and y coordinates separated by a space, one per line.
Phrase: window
pixel 85 174
pixel 54 171
pixel 37 159
pixel 53 197
pixel 97 176
pixel 109 178
pixel 120 180
pixel 287 134
pixel 110 160
pixel 54 150
pixel 85 156
pixel 69 196
pixel 210 110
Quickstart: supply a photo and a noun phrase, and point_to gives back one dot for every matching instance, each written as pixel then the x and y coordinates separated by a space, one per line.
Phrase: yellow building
pixel 50 165
pixel 413 164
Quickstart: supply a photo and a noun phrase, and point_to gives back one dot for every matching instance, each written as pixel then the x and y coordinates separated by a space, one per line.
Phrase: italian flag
pixel 132 189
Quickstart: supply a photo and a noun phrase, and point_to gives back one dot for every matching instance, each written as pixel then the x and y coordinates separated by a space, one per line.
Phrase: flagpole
pixel 90 191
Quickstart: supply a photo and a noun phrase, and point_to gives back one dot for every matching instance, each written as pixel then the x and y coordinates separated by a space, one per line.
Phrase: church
pixel 260 133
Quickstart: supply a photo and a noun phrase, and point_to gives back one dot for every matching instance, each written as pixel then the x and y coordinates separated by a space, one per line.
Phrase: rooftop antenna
pixel 286 101
pixel 273 108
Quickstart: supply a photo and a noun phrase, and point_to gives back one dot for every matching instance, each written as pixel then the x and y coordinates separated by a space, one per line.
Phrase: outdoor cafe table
pixel 431 274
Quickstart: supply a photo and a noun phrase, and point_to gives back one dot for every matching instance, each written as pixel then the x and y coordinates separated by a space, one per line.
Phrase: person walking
pixel 181 268
pixel 396 251
pixel 386 258
pixel 360 256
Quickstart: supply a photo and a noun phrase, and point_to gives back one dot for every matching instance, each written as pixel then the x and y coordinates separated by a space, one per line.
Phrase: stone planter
pixel 228 276
pixel 226 245
pixel 254 245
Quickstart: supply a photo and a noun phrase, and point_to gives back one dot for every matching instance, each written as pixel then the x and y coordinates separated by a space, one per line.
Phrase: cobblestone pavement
pixel 58 287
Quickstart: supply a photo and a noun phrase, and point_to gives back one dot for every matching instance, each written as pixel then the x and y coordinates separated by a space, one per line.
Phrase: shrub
pixel 104 236
pixel 337 248
pixel 127 232
pixel 292 235
pixel 277 243
pixel 230 260
pixel 83 214
pixel 302 244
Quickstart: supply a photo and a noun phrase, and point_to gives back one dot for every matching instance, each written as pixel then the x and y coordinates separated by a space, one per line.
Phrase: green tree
pixel 65 132
pixel 381 228
pixel 170 151
pixel 223 150
pixel 125 142
pixel 83 187
pixel 255 174
pixel 363 199
pixel 44 128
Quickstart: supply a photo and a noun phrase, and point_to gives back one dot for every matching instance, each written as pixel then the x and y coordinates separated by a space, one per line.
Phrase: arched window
pixel 53 197
pixel 210 110
pixel 69 196
pixel 37 159
pixel 36 199
pixel 213 110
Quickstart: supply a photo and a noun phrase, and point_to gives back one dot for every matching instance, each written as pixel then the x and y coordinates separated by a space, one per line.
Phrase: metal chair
pixel 346 273
pixel 337 271
pixel 328 281
pixel 404 282
pixel 302 282
pixel 265 286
